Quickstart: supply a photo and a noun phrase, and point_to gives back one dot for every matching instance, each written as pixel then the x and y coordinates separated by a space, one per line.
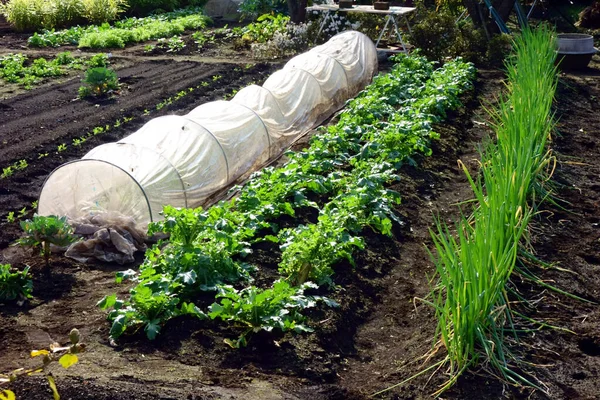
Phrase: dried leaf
pixel 35 353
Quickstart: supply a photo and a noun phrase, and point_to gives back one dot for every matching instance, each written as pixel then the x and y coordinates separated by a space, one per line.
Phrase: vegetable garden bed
pixel 368 343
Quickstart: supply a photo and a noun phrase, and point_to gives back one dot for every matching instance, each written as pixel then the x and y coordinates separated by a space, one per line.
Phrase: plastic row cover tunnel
pixel 182 160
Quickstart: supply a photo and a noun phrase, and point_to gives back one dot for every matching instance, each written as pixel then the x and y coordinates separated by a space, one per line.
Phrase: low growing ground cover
pixel 17 68
pixel 121 33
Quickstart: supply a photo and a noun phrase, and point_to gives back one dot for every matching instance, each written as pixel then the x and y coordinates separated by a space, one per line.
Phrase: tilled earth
pixel 378 335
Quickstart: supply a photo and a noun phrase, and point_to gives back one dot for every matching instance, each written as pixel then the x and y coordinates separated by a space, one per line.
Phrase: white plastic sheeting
pixel 183 160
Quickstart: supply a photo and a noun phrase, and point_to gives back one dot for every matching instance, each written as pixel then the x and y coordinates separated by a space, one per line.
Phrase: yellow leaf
pixel 7 395
pixel 35 353
pixel 34 371
pixel 67 360
pixel 53 387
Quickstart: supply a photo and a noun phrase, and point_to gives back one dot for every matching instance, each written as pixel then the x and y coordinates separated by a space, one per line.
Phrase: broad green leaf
pixel 192 309
pixel 152 329
pixel 118 326
pixel 107 302
pixel 188 278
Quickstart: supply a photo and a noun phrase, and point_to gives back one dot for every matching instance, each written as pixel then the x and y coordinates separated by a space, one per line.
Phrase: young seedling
pixel 43 231
pixel 98 82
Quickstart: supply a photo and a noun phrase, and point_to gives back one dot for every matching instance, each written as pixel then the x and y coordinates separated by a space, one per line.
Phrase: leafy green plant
pixel 172 45
pixel 262 30
pixel 98 82
pixel 123 32
pixel 42 231
pixel 202 38
pixel 113 37
pixel 64 58
pixel 342 174
pixel 13 70
pixel 11 169
pixel 98 60
pixel 14 285
pixel 100 11
pixel 147 309
pixel 309 252
pixel 23 212
pixel 7 171
pixel 257 309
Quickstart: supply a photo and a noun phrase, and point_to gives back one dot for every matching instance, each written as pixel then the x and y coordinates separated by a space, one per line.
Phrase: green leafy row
pixel 14 68
pixel 121 33
pixel 343 174
pixel 474 266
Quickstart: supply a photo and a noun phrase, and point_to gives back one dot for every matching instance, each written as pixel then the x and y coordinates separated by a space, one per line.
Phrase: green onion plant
pixel 474 268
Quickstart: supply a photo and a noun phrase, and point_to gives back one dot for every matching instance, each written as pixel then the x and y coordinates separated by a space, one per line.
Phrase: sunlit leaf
pixel 7 395
pixel 67 360
pixel 52 384
pixel 35 353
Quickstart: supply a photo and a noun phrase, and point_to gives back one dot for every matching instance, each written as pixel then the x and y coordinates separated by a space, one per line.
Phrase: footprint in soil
pixel 590 346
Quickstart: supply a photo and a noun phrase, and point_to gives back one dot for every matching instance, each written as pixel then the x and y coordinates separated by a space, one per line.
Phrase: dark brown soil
pixel 35 123
pixel 375 339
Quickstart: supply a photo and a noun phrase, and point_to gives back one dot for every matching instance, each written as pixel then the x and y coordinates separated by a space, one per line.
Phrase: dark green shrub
pixel 142 8
pixel 498 48
pixel 439 36
pixel 253 8
pixel 98 82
